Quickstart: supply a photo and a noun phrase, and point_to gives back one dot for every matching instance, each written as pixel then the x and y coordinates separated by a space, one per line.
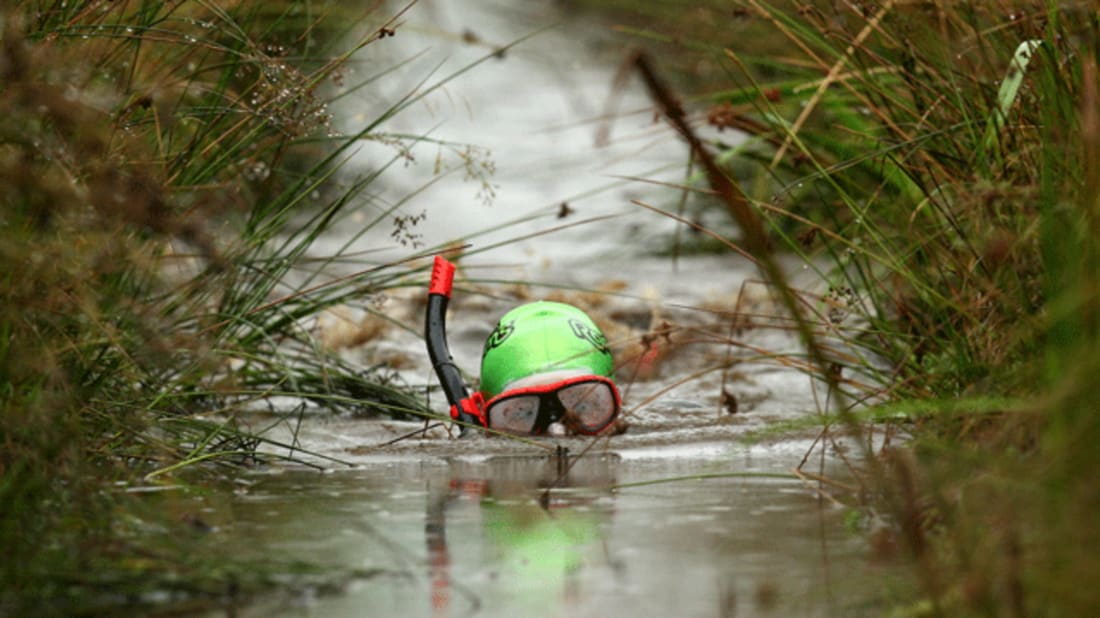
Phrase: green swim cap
pixel 540 337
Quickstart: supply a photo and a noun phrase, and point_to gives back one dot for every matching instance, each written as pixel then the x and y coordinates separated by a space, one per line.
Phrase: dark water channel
pixel 488 527
pixel 508 536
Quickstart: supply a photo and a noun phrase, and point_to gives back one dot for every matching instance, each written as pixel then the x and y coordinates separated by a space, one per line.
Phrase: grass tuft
pixel 164 171
pixel 938 165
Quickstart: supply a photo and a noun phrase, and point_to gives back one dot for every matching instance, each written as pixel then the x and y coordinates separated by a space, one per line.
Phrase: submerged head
pixel 548 361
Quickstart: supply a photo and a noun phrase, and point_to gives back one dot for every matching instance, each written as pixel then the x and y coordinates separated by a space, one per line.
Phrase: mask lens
pixel 514 414
pixel 591 403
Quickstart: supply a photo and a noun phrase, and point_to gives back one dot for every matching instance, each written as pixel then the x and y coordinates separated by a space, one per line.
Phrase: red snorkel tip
pixel 443 275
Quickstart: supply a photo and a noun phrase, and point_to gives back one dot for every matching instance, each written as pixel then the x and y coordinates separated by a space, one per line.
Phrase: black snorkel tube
pixel 463 407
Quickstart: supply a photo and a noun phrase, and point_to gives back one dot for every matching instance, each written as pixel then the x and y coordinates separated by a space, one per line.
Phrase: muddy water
pixel 432 525
pixel 504 537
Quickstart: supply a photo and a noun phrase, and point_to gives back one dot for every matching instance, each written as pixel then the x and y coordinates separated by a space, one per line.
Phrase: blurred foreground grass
pixel 940 164
pixel 163 167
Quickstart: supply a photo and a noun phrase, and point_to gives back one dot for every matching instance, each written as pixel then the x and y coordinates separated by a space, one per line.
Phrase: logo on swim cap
pixel 541 337
pixel 590 334
pixel 499 334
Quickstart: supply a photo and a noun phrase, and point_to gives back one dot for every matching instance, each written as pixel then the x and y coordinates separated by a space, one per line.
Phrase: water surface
pixel 506 536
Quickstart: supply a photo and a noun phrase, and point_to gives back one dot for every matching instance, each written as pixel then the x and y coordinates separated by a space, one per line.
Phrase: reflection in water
pixel 538 524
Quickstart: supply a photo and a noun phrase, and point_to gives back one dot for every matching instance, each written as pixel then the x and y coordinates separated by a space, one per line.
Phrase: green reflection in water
pixel 538 548
pixel 538 523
